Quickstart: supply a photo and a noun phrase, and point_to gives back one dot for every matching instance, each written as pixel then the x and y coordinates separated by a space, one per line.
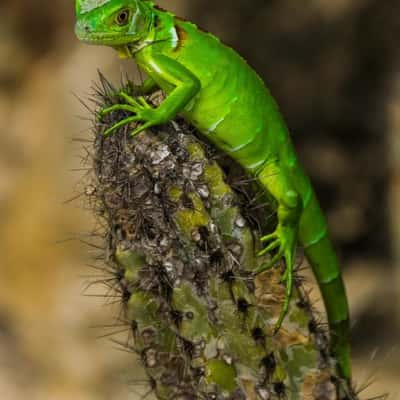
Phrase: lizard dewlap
pixel 215 90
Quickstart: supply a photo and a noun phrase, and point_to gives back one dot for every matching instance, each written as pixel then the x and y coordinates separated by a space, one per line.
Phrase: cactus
pixel 181 233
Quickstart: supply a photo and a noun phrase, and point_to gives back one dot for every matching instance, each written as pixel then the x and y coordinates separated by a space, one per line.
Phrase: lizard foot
pixel 283 240
pixel 140 108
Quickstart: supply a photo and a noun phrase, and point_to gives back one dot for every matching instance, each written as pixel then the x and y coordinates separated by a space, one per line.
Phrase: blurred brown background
pixel 334 67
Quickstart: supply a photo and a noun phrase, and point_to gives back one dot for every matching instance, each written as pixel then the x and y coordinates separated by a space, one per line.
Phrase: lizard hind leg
pixel 275 179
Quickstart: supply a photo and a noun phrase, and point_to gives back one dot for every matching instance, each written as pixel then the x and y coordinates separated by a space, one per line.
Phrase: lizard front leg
pixel 185 84
pixel 275 178
pixel 148 87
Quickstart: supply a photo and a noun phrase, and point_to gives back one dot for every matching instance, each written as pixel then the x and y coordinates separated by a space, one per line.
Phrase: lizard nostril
pixel 87 29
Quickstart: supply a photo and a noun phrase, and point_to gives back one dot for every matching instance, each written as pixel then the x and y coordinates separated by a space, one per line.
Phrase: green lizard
pixel 214 89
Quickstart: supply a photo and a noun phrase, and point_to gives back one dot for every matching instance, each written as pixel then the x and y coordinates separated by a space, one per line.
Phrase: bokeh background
pixel 333 66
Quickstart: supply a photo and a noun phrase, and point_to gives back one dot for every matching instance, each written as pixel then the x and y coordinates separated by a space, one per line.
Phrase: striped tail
pixel 314 237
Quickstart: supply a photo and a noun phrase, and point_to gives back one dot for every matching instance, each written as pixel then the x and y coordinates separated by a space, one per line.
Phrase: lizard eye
pixel 122 17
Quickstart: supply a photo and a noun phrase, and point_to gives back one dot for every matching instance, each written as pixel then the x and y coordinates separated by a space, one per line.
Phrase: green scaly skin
pixel 214 89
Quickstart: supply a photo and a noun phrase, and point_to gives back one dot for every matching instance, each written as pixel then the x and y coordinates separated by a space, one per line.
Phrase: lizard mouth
pixel 88 35
pixel 104 38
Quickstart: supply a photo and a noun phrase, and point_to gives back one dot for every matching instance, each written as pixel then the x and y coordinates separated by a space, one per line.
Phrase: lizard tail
pixel 318 248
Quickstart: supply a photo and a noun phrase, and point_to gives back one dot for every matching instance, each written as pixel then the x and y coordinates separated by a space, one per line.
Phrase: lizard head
pixel 115 23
